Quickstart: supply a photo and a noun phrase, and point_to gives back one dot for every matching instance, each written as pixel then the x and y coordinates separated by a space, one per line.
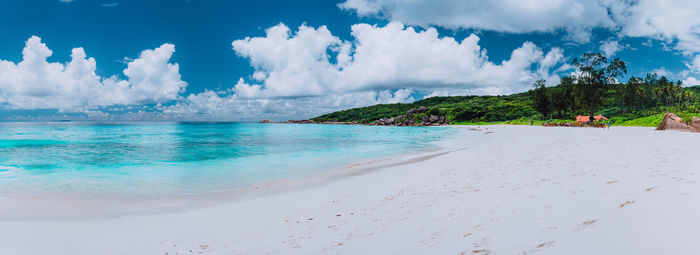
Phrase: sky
pixel 206 60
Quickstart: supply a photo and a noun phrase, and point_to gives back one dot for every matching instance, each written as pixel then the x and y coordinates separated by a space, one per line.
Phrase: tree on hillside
pixel 594 73
pixel 539 98
pixel 633 95
pixel 562 98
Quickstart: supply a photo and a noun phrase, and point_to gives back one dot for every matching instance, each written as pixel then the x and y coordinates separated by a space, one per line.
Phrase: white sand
pixel 524 190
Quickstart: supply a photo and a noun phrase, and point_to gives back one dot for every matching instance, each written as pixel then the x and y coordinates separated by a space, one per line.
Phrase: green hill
pixel 456 108
pixel 639 104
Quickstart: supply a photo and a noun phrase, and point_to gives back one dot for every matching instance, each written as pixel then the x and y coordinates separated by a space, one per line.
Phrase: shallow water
pixel 163 159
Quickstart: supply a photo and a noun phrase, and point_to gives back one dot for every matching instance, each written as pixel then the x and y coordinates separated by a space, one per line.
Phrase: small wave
pixel 8 143
pixel 9 171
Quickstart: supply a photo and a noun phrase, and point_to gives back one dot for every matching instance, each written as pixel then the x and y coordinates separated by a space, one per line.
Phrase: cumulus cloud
pixel 228 105
pixel 438 93
pixel 577 17
pixel 609 48
pixel 663 72
pixel 694 65
pixel 313 62
pixel 674 23
pixel 291 66
pixel 310 71
pixel 664 20
pixel 690 81
pixel 35 83
pixel 296 73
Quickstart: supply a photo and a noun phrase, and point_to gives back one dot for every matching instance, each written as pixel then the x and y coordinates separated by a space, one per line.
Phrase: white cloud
pixel 301 73
pixel 690 81
pixel 438 93
pixel 310 72
pixel 577 17
pixel 674 23
pixel 694 65
pixel 213 105
pixel 663 72
pixel 363 7
pixel 664 20
pixel 109 5
pixel 312 62
pixel 553 58
pixel 610 48
pixel 152 78
pixel 246 90
pixel 35 83
pixel 301 60
pixel 66 1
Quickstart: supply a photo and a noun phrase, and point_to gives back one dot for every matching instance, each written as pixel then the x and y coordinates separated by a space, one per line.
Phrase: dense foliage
pixel 456 108
pixel 594 73
pixel 639 102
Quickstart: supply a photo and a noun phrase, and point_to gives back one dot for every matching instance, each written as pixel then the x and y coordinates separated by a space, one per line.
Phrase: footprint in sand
pixel 626 203
pixel 545 244
pixel 589 222
pixel 584 225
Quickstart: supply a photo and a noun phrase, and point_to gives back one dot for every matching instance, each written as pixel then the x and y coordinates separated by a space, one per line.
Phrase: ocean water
pixel 157 159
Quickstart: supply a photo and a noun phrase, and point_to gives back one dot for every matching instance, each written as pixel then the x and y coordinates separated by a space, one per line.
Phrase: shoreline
pixel 73 207
pixel 531 190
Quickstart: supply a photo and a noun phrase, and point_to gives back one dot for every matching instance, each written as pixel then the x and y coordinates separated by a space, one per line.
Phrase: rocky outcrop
pixel 420 116
pixel 319 122
pixel 695 123
pixel 300 121
pixel 413 117
pixel 673 122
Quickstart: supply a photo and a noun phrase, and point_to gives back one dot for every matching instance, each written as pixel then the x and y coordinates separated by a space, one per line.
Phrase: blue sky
pixel 190 59
pixel 202 31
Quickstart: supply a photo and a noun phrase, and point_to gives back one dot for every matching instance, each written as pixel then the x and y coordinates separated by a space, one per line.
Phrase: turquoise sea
pixel 155 159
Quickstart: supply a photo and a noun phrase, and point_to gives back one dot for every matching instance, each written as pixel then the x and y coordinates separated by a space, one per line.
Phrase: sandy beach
pixel 520 190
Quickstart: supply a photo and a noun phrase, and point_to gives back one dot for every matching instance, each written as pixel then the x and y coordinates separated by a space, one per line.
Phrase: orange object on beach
pixel 581 118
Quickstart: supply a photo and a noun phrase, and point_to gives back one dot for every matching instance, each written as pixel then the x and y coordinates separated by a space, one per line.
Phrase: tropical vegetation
pixel 594 89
